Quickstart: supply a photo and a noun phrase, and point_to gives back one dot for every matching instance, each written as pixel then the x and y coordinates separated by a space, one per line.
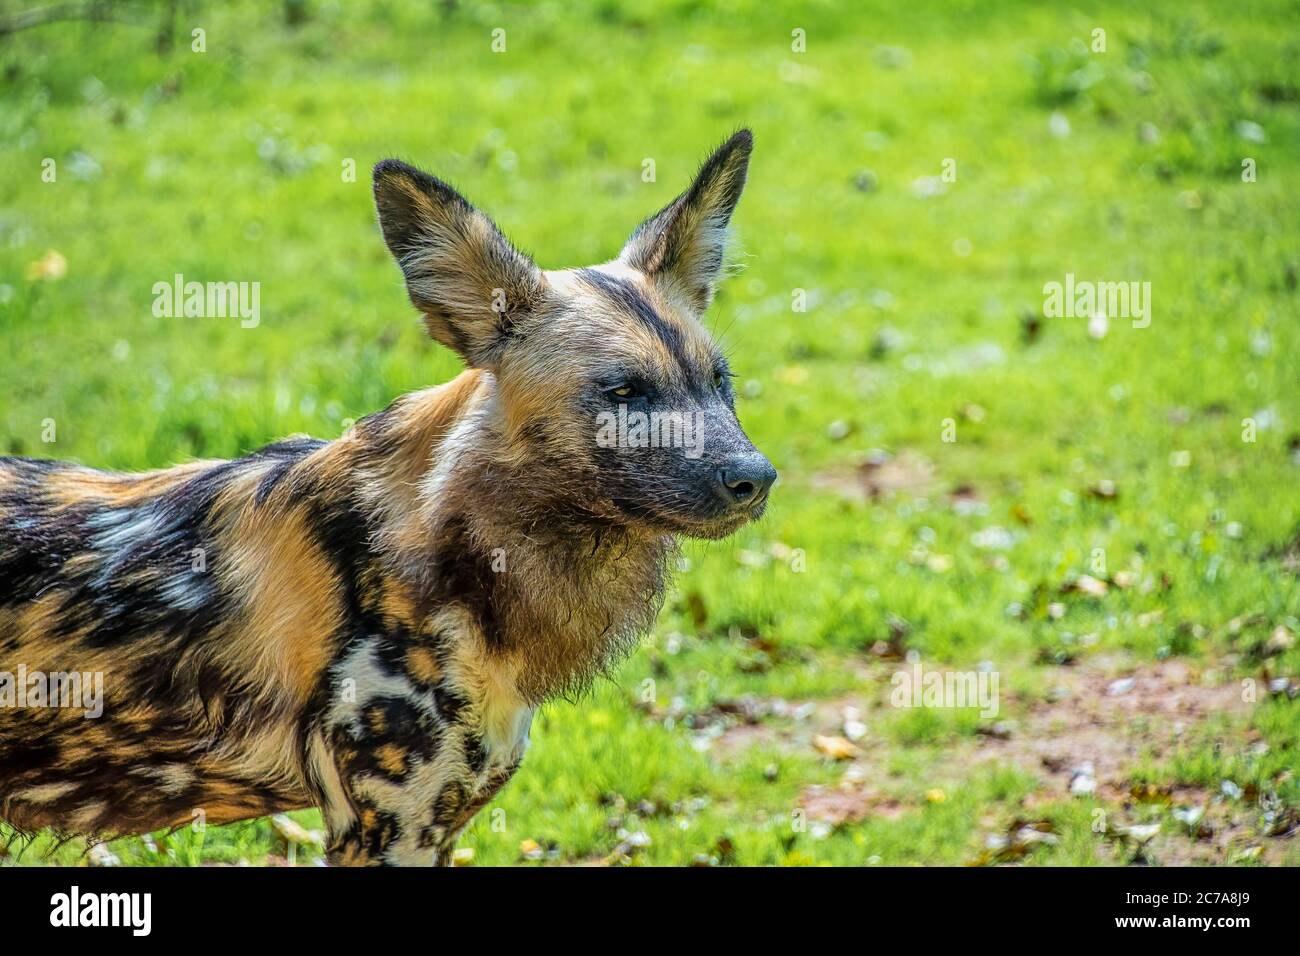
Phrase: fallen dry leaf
pixel 1092 587
pixel 50 267
pixel 837 748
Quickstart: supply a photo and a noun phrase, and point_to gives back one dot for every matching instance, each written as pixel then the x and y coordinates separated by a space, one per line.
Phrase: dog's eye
pixel 625 391
pixel 719 376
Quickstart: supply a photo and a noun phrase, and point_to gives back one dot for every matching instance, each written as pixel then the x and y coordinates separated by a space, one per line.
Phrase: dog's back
pixel 191 610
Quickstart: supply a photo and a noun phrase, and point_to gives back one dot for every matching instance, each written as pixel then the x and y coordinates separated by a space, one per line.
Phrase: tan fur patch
pixel 290 591
pixel 391 759
pixel 422 421
pixel 492 683
pixel 423 664
pixel 83 486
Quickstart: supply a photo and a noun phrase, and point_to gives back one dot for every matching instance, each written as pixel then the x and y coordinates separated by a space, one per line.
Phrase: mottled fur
pixel 367 625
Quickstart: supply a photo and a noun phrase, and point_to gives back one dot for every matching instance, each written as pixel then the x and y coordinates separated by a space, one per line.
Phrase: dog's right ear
pixel 472 285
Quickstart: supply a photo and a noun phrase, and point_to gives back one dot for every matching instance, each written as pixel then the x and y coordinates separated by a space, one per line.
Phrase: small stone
pixel 1280 641
pixel 1082 781
pixel 1251 132
pixel 865 181
pixel 1121 686
pixel 839 429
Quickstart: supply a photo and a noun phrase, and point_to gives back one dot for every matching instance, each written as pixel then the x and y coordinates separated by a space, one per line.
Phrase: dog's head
pixel 608 383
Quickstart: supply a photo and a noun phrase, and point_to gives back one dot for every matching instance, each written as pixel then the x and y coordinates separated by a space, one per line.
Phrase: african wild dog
pixel 367 625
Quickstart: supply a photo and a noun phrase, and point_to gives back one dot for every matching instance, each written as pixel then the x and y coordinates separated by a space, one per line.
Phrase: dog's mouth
pixel 705 527
pixel 722 527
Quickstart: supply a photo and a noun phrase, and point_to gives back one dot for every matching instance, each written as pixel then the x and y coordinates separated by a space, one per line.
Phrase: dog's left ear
pixel 472 285
pixel 682 245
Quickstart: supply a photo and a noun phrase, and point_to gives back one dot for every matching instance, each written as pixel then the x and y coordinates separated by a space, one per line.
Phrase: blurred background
pixel 1101 512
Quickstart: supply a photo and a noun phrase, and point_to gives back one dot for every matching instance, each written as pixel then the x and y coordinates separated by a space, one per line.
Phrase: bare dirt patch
pixel 1083 738
pixel 848 804
pixel 1100 717
pixel 879 475
pixel 1103 718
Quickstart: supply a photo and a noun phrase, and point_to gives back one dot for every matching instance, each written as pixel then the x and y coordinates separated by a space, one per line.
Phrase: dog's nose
pixel 745 480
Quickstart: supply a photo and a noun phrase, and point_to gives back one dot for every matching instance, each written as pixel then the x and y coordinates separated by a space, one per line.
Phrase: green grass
pixel 227 165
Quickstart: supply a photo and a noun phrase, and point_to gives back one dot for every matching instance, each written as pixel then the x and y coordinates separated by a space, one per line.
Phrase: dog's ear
pixel 472 285
pixel 682 245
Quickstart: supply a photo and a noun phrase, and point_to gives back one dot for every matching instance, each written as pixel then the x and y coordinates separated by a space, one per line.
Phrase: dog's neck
pixel 556 590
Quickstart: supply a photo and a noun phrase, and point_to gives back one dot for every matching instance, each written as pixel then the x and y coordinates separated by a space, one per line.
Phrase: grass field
pixel 1106 517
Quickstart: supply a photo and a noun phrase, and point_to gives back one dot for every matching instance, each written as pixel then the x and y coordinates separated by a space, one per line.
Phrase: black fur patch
pixel 629 299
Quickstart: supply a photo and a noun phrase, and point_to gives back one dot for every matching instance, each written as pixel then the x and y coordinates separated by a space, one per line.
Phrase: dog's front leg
pixel 395 802
pixel 469 808
pixel 412 821
pixel 395 779
pixel 401 763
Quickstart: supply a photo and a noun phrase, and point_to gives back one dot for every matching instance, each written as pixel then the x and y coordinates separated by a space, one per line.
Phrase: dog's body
pixel 367 625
